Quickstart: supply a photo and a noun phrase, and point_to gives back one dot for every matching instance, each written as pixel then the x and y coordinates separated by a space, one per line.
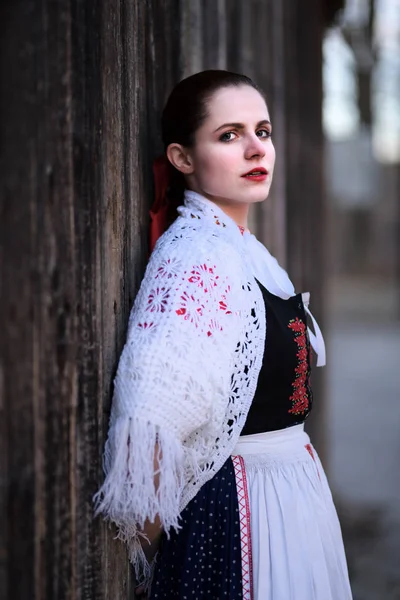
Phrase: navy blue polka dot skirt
pixel 203 559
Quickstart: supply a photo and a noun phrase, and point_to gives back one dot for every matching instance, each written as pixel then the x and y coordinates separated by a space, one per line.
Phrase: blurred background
pixel 361 118
pixel 82 89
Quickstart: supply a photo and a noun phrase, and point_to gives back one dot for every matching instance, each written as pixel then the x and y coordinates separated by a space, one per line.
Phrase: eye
pixel 228 136
pixel 264 133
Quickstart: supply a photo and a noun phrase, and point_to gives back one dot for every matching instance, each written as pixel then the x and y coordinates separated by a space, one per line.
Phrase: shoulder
pixel 192 270
pixel 192 289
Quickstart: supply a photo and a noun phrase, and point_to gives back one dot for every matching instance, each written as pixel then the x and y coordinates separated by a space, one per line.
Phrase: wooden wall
pixel 82 86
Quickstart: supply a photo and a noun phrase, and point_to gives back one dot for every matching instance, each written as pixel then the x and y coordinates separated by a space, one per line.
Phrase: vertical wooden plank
pixel 214 34
pixel 246 62
pixel 233 33
pixel 87 114
pixel 191 37
pixel 18 173
pixel 54 424
pixel 38 276
pixel 163 66
pixel 275 220
pixel 113 215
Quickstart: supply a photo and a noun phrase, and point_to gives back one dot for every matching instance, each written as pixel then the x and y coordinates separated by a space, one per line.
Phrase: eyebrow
pixel 241 126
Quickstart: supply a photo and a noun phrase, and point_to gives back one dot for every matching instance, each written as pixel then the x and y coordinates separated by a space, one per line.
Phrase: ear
pixel 180 158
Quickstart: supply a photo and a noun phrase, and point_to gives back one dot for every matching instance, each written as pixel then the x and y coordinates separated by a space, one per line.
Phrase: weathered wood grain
pixel 82 89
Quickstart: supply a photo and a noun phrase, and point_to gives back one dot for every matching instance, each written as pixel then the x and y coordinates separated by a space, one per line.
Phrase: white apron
pixel 292 546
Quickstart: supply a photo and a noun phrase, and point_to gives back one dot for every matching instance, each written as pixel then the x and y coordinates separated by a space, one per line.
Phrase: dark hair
pixel 186 110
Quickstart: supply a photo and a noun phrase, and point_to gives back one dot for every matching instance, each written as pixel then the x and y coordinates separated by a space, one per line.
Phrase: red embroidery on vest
pixel 300 397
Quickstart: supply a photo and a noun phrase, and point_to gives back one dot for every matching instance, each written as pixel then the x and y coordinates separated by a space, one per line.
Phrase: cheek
pixel 216 161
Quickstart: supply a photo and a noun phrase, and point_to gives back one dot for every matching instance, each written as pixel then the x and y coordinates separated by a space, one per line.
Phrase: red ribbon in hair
pixel 159 210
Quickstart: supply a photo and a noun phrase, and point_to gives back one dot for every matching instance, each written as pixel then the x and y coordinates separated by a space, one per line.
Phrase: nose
pixel 255 147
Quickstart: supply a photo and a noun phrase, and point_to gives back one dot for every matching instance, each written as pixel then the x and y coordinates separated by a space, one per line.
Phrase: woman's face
pixel 233 156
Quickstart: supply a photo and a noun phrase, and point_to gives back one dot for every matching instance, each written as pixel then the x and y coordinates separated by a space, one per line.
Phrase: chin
pixel 260 197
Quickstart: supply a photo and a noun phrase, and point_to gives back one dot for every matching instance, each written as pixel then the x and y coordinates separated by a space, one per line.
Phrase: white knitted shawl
pixel 189 368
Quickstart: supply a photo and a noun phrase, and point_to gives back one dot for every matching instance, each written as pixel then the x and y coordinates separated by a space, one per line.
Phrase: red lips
pixel 256 171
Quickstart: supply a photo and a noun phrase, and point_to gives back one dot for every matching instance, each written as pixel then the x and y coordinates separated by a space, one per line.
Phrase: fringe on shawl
pixel 129 495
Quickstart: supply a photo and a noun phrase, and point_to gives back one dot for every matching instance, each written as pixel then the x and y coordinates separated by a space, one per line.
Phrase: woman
pixel 207 462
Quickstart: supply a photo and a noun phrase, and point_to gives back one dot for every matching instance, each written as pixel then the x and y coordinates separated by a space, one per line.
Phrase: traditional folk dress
pixel 215 376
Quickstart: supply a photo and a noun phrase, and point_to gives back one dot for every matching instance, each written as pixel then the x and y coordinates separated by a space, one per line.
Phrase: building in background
pixel 362 126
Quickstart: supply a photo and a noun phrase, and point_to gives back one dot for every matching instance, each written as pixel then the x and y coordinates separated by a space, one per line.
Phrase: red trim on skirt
pixel 245 532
